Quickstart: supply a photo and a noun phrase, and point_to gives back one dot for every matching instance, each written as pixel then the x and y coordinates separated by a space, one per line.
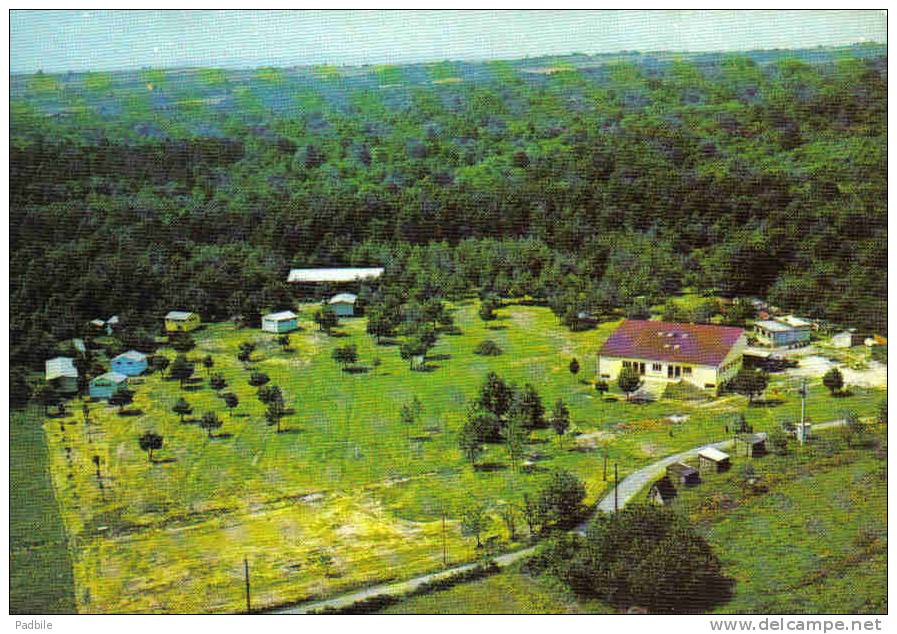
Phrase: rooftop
pixel 60 367
pixel 283 315
pixel 178 315
pixel 665 341
pixel 665 487
pixel 333 275
pixel 680 468
pixel 795 322
pixel 711 453
pixel 131 355
pixel 773 326
pixel 343 298
pixel 113 377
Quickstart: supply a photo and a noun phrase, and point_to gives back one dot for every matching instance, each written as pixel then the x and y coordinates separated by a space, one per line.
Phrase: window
pixel 686 371
pixel 656 367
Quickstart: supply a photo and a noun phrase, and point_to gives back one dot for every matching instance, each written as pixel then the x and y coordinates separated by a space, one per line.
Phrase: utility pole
pixel 444 557
pixel 616 481
pixel 605 463
pixel 803 401
pixel 246 576
pixel 803 411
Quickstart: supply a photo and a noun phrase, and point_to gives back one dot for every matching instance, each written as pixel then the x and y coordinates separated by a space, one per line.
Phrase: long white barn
pixel 337 276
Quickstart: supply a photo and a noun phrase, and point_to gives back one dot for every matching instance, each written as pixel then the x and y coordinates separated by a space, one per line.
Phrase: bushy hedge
pixel 488 348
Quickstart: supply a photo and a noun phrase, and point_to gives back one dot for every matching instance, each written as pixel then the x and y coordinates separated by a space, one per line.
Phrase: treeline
pixel 591 192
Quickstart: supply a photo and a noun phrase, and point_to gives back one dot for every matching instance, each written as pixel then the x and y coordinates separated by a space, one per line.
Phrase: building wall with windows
pixel 700 375
pixel 704 376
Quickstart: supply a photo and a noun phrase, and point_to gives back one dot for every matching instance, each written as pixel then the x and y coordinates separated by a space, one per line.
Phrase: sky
pixel 59 41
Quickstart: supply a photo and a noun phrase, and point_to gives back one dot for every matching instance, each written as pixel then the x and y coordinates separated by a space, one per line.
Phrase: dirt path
pixel 626 490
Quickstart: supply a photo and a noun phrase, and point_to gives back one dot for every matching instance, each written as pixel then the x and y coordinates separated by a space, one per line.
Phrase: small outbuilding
pixel 753 445
pixel 181 321
pixel 284 321
pixel 713 460
pixel 683 474
pixel 130 363
pixel 107 384
pixel 787 331
pixel 662 492
pixel 343 304
pixel 847 339
pixel 61 371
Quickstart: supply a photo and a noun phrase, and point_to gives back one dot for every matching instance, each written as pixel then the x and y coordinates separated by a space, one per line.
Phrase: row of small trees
pixel 506 413
pixel 558 505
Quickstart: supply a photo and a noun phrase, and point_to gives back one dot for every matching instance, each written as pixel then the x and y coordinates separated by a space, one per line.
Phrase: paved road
pixel 626 490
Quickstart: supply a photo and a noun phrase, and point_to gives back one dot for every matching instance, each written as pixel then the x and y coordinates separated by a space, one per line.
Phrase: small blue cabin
pixel 284 321
pixel 343 304
pixel 779 334
pixel 107 384
pixel 130 363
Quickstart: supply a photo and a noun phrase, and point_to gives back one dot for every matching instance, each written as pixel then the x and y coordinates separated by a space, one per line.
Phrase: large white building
pixel 700 354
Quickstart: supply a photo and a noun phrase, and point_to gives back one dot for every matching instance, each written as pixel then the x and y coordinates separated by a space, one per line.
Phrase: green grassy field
pixel 507 592
pixel 347 494
pixel 815 542
pixel 41 579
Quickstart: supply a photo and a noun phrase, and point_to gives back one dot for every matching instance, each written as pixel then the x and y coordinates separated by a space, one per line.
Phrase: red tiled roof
pixel 664 341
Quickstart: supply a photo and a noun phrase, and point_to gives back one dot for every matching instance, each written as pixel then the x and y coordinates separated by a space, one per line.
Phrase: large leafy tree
pixel 750 382
pixel 495 395
pixel 646 556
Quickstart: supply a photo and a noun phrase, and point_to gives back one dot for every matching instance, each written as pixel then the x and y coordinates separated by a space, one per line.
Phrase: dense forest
pixel 601 183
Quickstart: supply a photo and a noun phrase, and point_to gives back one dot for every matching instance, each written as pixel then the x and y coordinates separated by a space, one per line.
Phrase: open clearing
pixel 814 542
pixel 347 495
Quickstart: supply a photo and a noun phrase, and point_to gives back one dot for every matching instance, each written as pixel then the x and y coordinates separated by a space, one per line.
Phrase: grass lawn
pixel 347 494
pixel 814 543
pixel 41 579
pixel 507 592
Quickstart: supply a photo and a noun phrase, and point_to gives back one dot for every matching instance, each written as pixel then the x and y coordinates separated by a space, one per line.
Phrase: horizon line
pixel 469 60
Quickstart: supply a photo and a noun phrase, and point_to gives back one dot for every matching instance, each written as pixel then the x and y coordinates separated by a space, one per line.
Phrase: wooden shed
pixel 713 460
pixel 662 492
pixel 753 445
pixel 683 474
